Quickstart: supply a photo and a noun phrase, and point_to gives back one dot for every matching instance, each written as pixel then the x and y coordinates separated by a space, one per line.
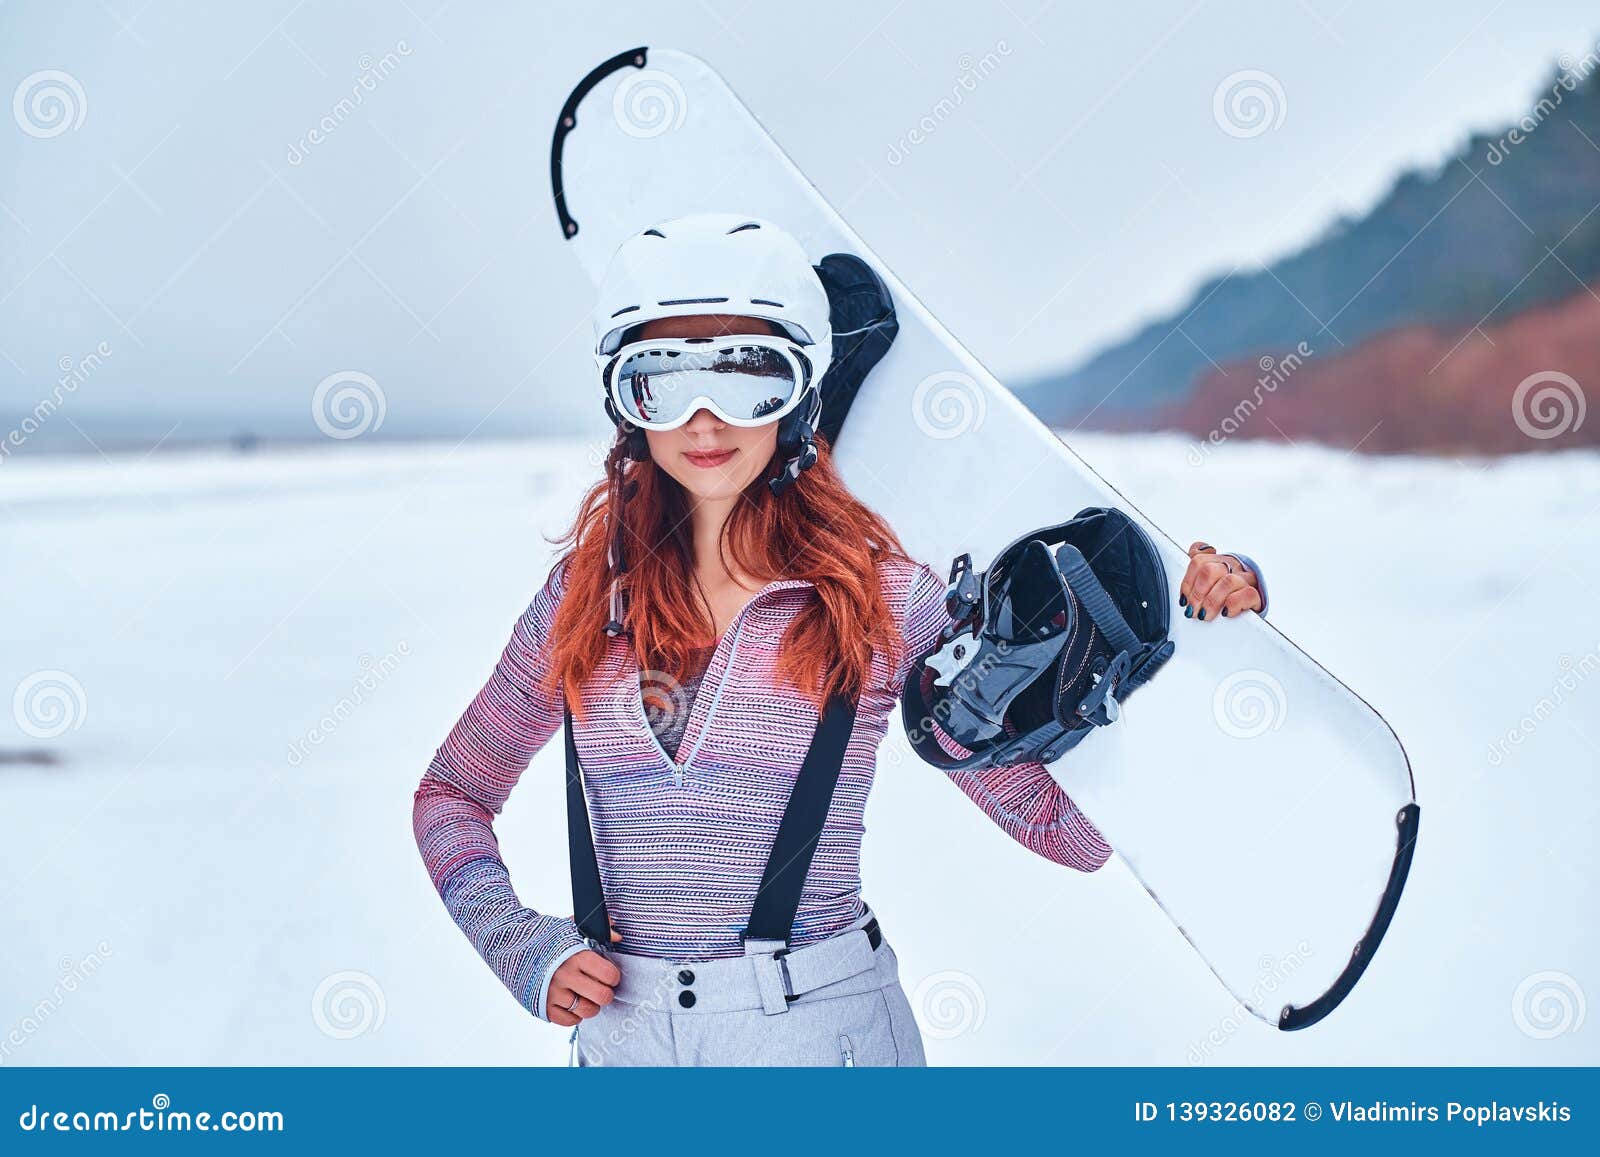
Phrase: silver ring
pixel 573 1007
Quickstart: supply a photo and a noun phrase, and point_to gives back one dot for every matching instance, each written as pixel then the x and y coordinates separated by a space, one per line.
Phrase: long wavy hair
pixel 816 530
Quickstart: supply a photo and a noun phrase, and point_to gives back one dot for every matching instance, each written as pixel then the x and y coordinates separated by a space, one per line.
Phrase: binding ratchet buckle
pixel 963 596
pixel 1100 706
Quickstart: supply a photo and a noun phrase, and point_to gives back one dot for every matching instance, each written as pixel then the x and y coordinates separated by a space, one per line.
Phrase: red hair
pixel 816 530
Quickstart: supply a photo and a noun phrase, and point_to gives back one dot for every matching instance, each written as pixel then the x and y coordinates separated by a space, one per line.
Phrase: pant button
pixel 685 976
pixel 686 999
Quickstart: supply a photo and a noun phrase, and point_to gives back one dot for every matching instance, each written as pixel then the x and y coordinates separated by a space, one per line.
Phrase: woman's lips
pixel 706 459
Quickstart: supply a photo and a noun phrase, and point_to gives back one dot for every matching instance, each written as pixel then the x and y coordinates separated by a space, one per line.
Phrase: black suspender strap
pixel 588 896
pixel 778 898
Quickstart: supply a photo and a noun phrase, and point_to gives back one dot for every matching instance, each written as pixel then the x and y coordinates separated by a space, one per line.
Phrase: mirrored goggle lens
pixel 745 382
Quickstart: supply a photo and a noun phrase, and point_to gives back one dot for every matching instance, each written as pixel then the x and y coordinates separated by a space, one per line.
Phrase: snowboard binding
pixel 1043 648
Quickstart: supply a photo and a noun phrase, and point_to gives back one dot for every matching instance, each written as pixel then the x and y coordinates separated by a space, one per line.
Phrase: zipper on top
pixel 680 767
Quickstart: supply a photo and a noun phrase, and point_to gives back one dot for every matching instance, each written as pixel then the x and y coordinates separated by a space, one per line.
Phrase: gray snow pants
pixel 836 1002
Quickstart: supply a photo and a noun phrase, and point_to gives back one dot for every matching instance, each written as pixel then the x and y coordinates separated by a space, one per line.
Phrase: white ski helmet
pixel 726 263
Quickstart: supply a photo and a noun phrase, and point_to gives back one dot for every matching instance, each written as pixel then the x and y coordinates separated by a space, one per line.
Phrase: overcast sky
pixel 1085 183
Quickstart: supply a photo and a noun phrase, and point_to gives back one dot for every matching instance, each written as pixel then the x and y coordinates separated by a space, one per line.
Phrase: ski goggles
pixel 745 380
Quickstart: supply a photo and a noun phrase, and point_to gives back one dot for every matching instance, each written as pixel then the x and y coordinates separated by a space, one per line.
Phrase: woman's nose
pixel 704 421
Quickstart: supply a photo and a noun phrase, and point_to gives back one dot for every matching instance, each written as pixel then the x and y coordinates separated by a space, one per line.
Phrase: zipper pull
pixel 847 1053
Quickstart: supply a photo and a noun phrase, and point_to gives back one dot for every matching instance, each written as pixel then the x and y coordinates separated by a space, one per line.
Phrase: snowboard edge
pixel 568 120
pixel 1305 1016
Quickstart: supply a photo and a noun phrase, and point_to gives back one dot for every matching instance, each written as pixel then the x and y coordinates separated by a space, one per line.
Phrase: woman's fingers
pixel 594 965
pixel 571 1004
pixel 1245 598
pixel 584 982
pixel 1216 585
pixel 1233 594
pixel 1204 572
pixel 577 1004
pixel 1240 594
pixel 589 988
pixel 563 1006
pixel 1210 605
pixel 1236 566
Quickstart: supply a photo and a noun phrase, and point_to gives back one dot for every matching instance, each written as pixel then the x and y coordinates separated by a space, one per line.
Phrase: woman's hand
pixel 1217 585
pixel 585 982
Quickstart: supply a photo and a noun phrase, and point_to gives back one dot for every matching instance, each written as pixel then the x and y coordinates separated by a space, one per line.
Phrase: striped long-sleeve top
pixel 682 843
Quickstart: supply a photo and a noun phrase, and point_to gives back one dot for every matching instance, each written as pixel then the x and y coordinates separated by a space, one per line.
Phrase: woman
pixel 723 603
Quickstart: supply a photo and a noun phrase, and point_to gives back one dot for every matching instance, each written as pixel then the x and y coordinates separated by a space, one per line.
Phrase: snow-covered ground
pixel 254 657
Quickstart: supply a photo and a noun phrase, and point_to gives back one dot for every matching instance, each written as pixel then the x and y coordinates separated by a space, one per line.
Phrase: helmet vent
pixel 654 233
pixel 746 225
pixel 764 301
pixel 626 309
pixel 693 301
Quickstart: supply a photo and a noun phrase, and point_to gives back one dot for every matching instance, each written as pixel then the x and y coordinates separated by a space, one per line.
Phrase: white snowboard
pixel 1266 808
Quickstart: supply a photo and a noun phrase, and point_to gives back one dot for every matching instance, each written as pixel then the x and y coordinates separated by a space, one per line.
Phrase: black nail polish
pixel 1202 612
pixel 1224 612
pixel 1188 612
pixel 1183 600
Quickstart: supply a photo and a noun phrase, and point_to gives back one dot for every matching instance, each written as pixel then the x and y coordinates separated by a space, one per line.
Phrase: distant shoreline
pixel 247 443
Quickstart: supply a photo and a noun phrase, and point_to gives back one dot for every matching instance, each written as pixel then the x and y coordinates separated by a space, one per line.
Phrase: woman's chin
pixel 710 484
pixel 713 490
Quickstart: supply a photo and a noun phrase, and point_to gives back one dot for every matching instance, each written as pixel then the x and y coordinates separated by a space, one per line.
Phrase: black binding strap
pixel 1096 600
pixel 778 897
pixel 588 895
